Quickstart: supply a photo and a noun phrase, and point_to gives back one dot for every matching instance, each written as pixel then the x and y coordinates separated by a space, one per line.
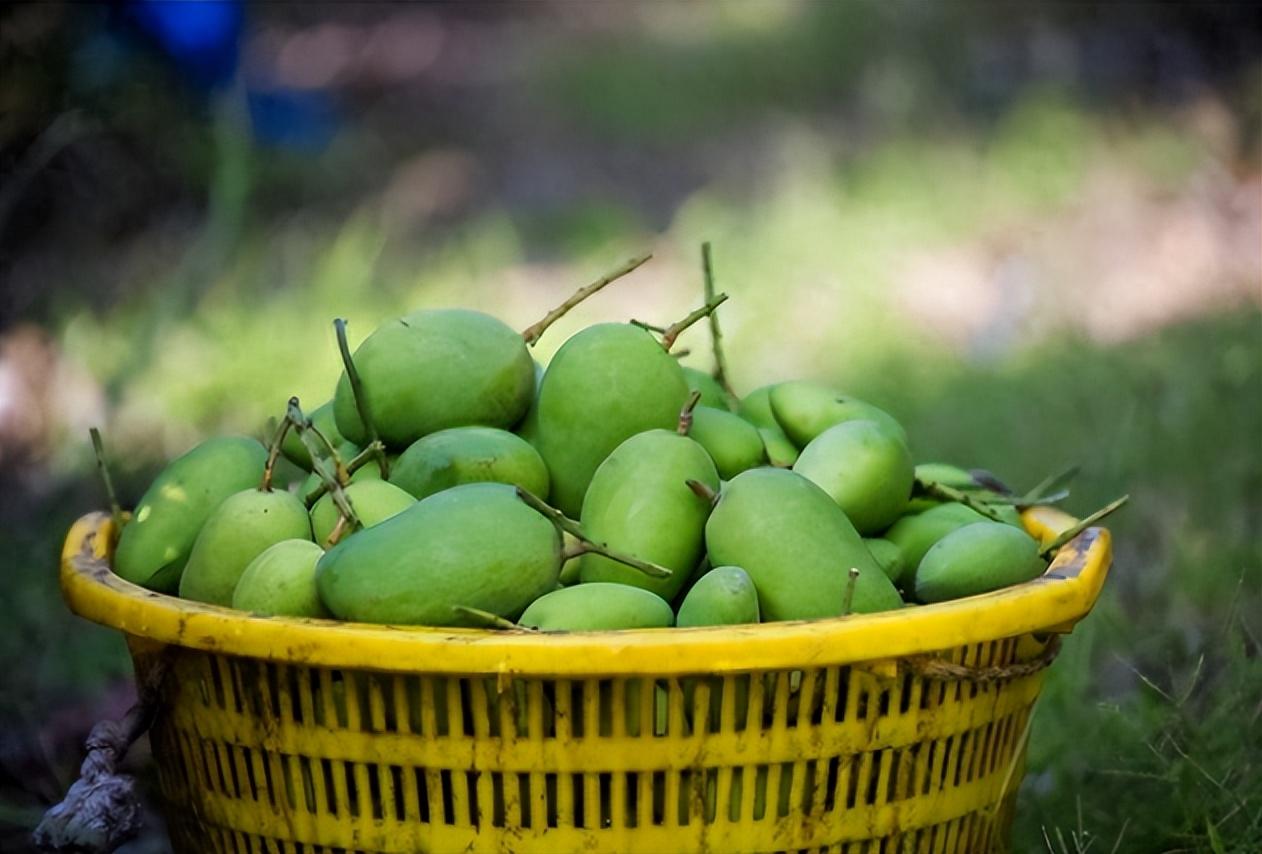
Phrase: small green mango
pixel 712 393
pixel 887 556
pixel 947 475
pixel 280 582
pixel 476 545
pixel 977 558
pixel 804 409
pixel 865 467
pixel 797 546
pixel 724 596
pixel 236 533
pixel 598 607
pixel 436 369
pixel 732 442
pixel 154 546
pixel 322 419
pixel 606 384
pixel 755 408
pixel 639 504
pixel 915 535
pixel 469 455
pixel 374 501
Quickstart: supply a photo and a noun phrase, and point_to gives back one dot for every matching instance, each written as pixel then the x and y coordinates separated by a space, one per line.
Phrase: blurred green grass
pixel 1149 731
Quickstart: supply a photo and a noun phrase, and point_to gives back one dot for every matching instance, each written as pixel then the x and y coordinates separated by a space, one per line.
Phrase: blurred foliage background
pixel 1032 232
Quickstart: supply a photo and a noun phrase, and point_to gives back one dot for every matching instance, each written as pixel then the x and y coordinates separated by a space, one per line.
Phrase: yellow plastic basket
pixel 894 732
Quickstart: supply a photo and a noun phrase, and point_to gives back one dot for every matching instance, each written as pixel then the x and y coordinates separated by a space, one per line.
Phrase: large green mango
pixel 712 393
pixel 281 582
pixel 724 596
pixel 977 558
pixel 639 504
pixel 373 500
pixel 598 607
pixel 804 409
pixel 755 408
pixel 732 442
pixel 239 530
pixel 914 535
pixel 797 546
pixel 476 545
pixel 865 467
pixel 469 455
pixel 436 369
pixel 155 544
pixel 607 383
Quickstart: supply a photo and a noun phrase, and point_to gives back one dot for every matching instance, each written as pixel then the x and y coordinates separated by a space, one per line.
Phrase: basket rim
pixel 1053 602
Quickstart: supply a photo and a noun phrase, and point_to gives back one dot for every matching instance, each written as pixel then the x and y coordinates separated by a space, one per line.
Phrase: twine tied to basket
pixel 948 671
pixel 102 809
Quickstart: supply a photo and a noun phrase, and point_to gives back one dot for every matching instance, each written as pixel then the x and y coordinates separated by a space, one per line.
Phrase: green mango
pixel 469 455
pixel 236 533
pixel 797 546
pixel 887 556
pixel 865 468
pixel 639 504
pixel 154 546
pixel 435 369
pixel 606 384
pixel 598 607
pixel 732 442
pixel 914 535
pixel 476 545
pixel 322 419
pixel 724 596
pixel 280 582
pixel 374 501
pixel 977 558
pixel 755 408
pixel 804 409
pixel 712 393
pixel 947 475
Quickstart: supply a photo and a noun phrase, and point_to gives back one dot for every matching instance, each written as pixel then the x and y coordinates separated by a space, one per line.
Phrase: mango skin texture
pixel 280 582
pixel 755 408
pixel 476 545
pixel 639 504
pixel 373 500
pixel 724 596
pixel 154 546
pixel 865 467
pixel 796 545
pixel 436 369
pixel 733 443
pixel 975 559
pixel 606 384
pixel 804 409
pixel 239 530
pixel 712 393
pixel 596 607
pixel 469 455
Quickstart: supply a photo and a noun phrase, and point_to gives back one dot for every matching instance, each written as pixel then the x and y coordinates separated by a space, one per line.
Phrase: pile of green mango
pixel 451 480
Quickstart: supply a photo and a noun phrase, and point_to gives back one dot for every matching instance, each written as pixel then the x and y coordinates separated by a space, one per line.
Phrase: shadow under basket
pixel 896 732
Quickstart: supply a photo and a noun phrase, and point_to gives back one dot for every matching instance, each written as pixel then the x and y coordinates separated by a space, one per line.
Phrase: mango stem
pixel 1065 536
pixel 941 491
pixel 116 509
pixel 676 329
pixel 586 545
pixel 847 604
pixel 489 620
pixel 685 414
pixel 646 326
pixel 703 490
pixel 333 477
pixel 535 331
pixel 361 399
pixel 273 452
pixel 716 334
pixel 363 458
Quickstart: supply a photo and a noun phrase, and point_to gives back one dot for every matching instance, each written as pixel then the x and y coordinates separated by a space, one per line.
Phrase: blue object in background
pixel 298 119
pixel 202 38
